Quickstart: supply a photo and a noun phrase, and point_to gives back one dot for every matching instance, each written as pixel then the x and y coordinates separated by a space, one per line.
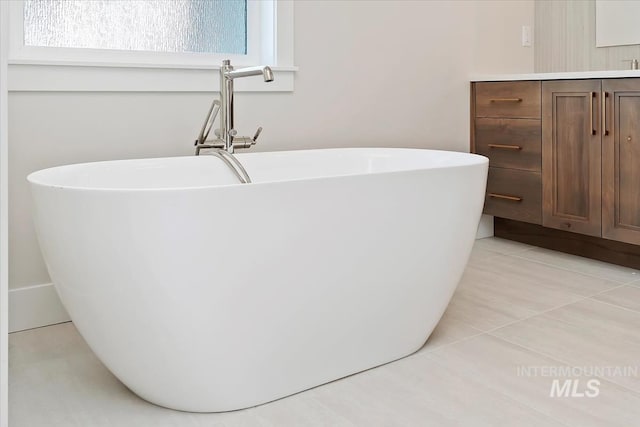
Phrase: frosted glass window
pixel 201 26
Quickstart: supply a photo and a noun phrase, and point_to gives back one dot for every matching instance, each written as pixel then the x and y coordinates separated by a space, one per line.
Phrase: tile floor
pixel 516 306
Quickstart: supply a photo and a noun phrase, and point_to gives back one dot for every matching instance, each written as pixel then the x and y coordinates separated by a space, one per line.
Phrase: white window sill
pixel 58 76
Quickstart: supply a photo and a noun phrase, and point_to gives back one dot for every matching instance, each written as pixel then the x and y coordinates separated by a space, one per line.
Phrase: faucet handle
pixel 208 122
pixel 258 132
pixel 245 141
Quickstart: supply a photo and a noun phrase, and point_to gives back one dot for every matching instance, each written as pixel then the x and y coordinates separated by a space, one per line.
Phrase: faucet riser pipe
pixel 226 109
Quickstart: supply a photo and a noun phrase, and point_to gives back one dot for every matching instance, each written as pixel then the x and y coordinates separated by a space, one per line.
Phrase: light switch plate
pixel 526 36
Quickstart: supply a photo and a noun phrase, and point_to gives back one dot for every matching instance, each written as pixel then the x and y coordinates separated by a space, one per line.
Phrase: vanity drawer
pixel 508 99
pixel 514 194
pixel 510 143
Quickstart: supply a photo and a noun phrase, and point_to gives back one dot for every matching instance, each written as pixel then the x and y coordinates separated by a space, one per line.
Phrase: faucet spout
pixel 226 134
pixel 263 70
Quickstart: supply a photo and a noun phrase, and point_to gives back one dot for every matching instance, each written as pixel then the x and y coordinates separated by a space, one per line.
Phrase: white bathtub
pixel 205 295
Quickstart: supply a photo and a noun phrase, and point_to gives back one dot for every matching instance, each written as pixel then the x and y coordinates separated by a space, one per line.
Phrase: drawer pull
pixel 506 100
pixel 505 146
pixel 505 197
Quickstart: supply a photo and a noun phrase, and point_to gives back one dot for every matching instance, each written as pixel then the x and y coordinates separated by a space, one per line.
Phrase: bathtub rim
pixel 34 177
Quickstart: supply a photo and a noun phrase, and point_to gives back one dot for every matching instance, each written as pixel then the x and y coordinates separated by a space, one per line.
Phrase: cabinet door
pixel 621 160
pixel 571 192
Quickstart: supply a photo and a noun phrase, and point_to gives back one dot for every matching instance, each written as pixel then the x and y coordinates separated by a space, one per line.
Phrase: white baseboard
pixel 35 306
pixel 485 228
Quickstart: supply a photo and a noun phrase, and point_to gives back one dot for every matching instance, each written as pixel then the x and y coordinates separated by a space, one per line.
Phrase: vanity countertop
pixel 556 76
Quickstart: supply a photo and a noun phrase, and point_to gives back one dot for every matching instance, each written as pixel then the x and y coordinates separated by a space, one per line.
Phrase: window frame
pixel 269 42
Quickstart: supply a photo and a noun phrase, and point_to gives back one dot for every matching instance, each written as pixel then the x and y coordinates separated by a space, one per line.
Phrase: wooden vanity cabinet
pixel 506 129
pixel 571 156
pixel 564 163
pixel 621 160
pixel 591 157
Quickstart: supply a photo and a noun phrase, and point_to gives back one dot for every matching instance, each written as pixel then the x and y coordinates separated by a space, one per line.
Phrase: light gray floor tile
pixel 484 311
pixel 416 391
pixel 588 333
pixel 540 277
pixel 449 330
pixel 505 289
pixel 582 265
pixel 502 246
pixel 53 371
pixel 635 283
pixel 489 247
pixel 517 372
pixel 479 256
pixel 624 296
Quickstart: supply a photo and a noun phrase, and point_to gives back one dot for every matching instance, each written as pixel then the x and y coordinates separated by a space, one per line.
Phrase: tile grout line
pixel 632 283
pixel 611 304
pixel 489 331
pixel 492 256
pixel 430 355
pixel 40 327
pixel 606 290
pixel 581 298
pixel 425 352
pixel 527 247
pixel 571 270
pixel 496 253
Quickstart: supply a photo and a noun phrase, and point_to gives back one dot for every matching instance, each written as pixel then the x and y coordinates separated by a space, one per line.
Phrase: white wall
pixel 372 73
pixel 498 36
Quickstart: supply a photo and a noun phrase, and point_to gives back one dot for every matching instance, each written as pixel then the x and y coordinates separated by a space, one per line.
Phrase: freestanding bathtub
pixel 205 295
